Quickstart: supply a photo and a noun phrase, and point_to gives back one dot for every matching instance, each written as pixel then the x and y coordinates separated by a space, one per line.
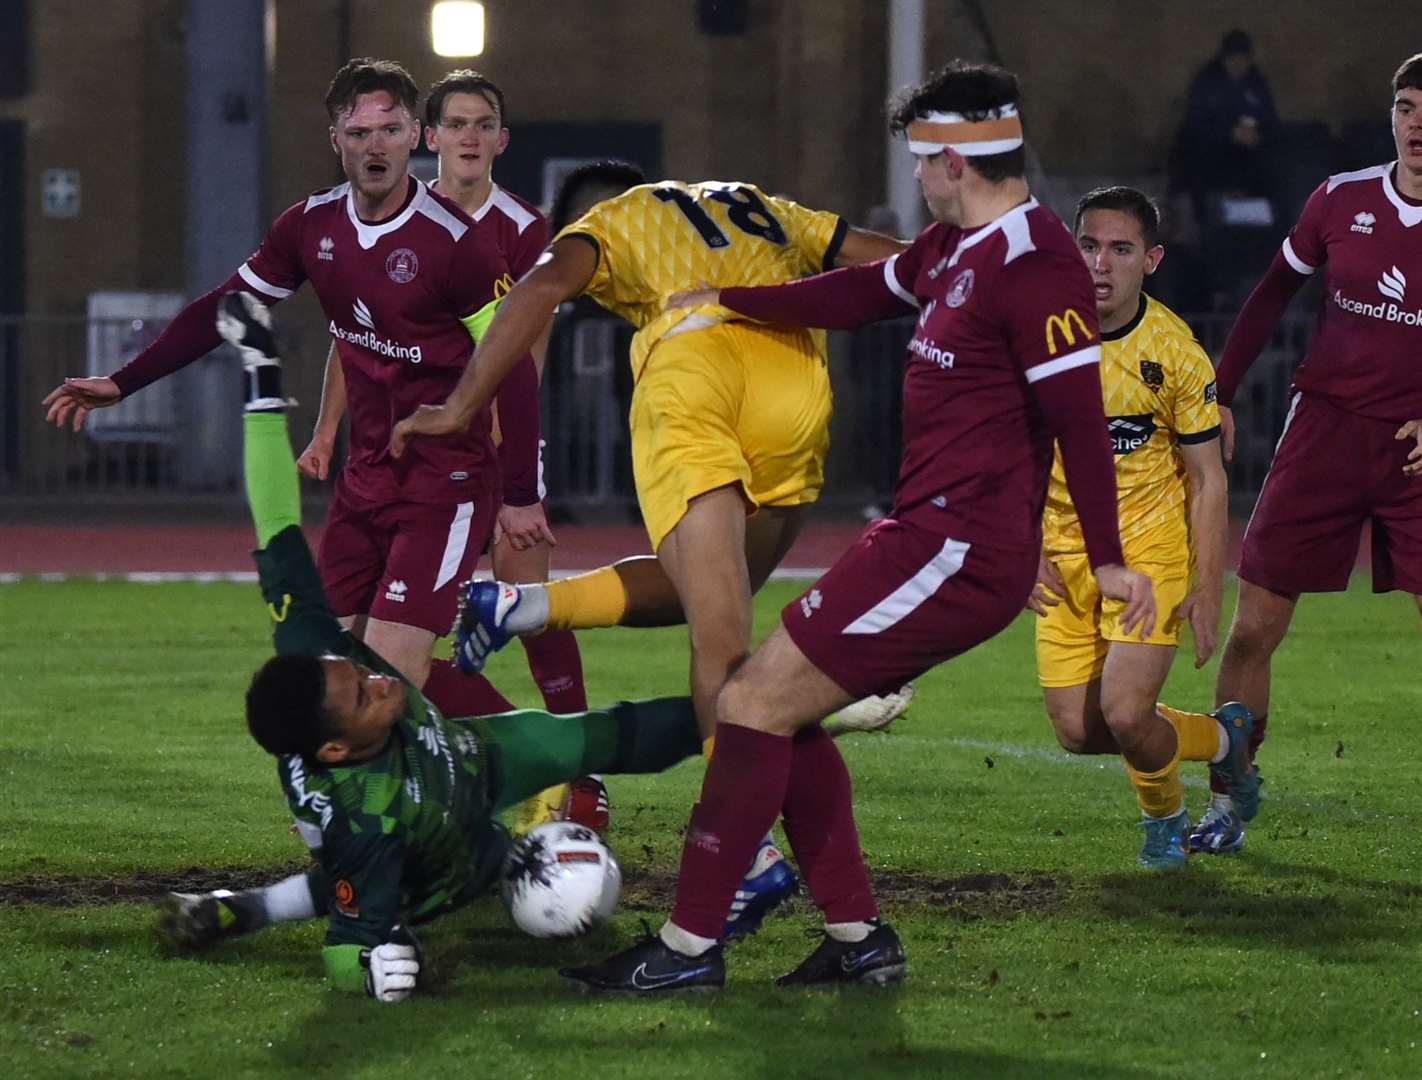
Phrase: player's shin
pixel 818 816
pixel 741 795
pixel 585 601
pixel 1200 734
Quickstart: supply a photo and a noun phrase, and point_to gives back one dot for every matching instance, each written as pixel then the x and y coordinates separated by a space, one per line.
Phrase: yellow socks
pixel 1199 733
pixel 586 601
pixel 1161 793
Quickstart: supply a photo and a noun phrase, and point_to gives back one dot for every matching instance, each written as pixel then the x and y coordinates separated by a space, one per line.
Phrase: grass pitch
pixel 1035 948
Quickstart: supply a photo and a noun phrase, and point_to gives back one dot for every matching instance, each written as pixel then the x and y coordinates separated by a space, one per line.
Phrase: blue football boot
pixel 1165 846
pixel 768 882
pixel 1236 772
pixel 480 628
pixel 1220 832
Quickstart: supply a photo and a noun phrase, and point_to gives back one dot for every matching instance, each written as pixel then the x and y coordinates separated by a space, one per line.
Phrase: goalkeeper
pixel 396 802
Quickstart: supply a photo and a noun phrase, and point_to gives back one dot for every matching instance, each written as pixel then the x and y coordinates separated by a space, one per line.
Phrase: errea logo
pixel 396 591
pixel 324 249
pixel 1363 222
pixel 811 602
pixel 362 314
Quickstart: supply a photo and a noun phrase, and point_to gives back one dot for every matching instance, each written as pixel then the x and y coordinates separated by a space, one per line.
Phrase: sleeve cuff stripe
pixel 1291 257
pixel 1198 436
pixel 892 281
pixel 246 273
pixel 1089 355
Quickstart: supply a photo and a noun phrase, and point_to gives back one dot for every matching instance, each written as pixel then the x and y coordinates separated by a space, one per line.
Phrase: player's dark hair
pixel 1409 75
pixel 285 711
pixel 1127 200
pixel 367 75
pixel 973 90
pixel 463 81
pixel 589 184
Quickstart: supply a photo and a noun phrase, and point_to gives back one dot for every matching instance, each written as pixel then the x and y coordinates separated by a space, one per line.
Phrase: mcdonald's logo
pixel 1068 322
pixel 502 285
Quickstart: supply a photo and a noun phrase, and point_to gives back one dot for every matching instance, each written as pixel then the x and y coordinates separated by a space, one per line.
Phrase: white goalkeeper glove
pixel 391 971
pixel 244 322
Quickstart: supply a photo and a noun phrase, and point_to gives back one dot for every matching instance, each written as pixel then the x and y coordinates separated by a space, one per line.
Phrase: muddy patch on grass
pixel 70 890
pixel 970 897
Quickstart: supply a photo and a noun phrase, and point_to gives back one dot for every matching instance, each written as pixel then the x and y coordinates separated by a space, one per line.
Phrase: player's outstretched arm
pixel 1255 325
pixel 835 300
pixel 521 316
pixel 862 246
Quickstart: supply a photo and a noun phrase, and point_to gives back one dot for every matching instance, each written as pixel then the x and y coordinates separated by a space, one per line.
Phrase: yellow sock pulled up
pixel 586 601
pixel 1199 733
pixel 1160 793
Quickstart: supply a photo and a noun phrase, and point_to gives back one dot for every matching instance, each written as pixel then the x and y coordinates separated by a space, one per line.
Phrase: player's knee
pixel 1129 719
pixel 1069 726
pixel 1251 640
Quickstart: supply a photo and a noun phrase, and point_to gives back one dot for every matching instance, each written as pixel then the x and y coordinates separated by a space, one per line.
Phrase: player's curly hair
pixel 973 90
pixel 463 81
pixel 589 184
pixel 285 712
pixel 1127 200
pixel 367 75
pixel 1409 75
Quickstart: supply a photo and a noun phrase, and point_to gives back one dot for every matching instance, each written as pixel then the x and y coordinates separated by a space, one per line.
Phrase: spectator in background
pixel 1230 121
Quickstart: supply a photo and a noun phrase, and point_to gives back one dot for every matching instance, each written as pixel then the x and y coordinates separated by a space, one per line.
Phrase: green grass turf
pixel 122 750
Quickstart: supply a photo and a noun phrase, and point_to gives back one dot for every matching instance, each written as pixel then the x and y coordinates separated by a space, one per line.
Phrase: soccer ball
pixel 559 880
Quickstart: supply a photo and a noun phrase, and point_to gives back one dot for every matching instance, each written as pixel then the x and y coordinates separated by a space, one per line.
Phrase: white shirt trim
pixel 250 276
pixel 510 207
pixel 322 198
pixel 1292 258
pixel 991 228
pixel 1091 354
pixel 1408 214
pixel 891 279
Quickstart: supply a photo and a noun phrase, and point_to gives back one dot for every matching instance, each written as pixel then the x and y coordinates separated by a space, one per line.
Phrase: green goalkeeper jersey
pixel 403 836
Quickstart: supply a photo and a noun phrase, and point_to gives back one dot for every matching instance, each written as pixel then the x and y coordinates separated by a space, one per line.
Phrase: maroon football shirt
pixel 394 293
pixel 1366 352
pixel 1005 357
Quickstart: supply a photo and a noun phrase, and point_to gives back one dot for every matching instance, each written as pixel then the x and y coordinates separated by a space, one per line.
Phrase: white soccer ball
pixel 560 880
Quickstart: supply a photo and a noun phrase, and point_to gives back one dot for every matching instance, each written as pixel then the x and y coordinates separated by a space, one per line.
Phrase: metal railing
pixel 142 448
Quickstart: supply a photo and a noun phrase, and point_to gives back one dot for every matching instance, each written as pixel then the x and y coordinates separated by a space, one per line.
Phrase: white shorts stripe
pixel 1292 258
pixel 1288 419
pixel 542 487
pixel 892 281
pixel 455 545
pixel 247 274
pixel 1089 355
pixel 906 599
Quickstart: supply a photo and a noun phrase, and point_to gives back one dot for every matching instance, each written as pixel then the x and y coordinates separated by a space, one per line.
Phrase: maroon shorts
pixel 402 562
pixel 1332 472
pixel 903 599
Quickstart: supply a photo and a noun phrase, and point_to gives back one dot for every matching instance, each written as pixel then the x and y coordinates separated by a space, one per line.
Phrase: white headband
pixel 997 133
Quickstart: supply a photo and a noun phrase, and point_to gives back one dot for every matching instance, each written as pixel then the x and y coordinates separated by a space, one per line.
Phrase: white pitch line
pixel 248 577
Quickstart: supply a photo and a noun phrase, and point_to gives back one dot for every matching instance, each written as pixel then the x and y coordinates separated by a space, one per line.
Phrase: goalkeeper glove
pixel 392 969
pixel 244 322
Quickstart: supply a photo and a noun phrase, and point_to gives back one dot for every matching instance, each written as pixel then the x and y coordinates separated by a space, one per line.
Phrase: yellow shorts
pixel 1074 636
pixel 737 403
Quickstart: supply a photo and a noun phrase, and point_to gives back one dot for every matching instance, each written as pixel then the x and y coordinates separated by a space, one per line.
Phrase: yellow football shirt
pixel 657 239
pixel 1158 389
